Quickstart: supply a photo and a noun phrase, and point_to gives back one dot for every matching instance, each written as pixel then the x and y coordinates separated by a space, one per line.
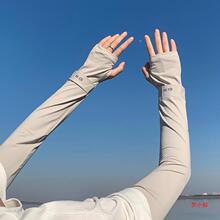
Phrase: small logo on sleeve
pixel 79 77
pixel 168 89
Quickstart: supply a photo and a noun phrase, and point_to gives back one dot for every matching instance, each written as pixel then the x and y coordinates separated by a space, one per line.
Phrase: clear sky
pixel 112 139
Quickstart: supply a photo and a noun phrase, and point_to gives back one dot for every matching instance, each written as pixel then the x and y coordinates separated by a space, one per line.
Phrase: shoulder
pixel 134 203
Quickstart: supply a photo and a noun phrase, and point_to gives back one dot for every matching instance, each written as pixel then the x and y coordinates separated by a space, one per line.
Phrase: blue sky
pixel 112 139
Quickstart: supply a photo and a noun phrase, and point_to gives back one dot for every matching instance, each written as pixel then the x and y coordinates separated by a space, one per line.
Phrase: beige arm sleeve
pixel 24 141
pixel 163 185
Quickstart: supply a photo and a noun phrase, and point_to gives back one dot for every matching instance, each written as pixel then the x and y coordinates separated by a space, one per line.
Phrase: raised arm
pixel 163 185
pixel 24 141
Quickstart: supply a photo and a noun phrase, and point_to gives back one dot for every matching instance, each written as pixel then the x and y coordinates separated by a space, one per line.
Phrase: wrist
pixel 171 90
pixel 82 81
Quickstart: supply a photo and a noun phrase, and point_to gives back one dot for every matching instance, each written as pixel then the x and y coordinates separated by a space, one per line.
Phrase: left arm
pixel 25 140
pixel 164 184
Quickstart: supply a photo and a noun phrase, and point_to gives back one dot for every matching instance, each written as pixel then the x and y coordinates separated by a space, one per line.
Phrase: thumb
pixel 146 70
pixel 117 70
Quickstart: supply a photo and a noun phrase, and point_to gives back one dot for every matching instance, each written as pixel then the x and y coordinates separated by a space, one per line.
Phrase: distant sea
pixel 185 209
pixel 195 209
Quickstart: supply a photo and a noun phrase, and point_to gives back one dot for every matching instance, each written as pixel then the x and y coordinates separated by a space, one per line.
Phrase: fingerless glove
pixel 97 67
pixel 165 69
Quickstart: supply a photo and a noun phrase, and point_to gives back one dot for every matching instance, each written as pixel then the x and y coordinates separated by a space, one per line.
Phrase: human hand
pixel 164 67
pixel 99 64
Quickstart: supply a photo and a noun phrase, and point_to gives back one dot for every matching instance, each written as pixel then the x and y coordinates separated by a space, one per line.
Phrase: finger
pixel 104 40
pixel 166 47
pixel 119 39
pixel 158 41
pixel 123 46
pixel 109 42
pixel 145 70
pixel 118 69
pixel 173 45
pixel 149 46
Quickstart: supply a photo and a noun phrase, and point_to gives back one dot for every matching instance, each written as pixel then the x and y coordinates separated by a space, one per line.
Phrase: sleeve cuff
pixel 167 91
pixel 81 80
